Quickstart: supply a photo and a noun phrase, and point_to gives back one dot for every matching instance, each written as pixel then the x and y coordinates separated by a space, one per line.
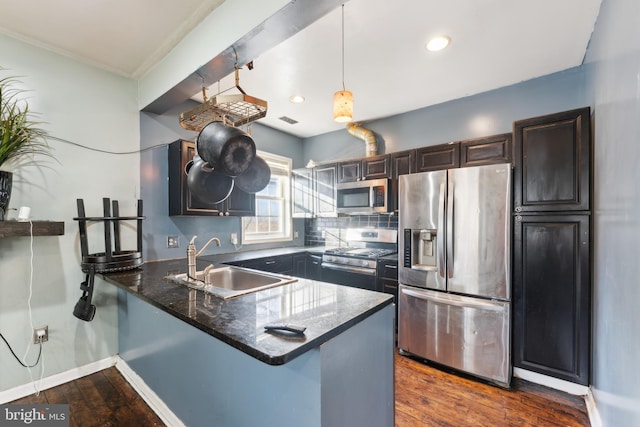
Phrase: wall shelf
pixel 40 228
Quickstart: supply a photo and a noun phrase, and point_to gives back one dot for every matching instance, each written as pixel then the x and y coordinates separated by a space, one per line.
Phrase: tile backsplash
pixel 331 231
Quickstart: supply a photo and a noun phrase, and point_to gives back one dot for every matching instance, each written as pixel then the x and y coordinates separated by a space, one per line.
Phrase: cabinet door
pixel 388 276
pixel 314 267
pixel 551 295
pixel 181 201
pixel 303 197
pixel 325 185
pixel 552 156
pixel 486 151
pixel 349 171
pixel 239 203
pixel 402 163
pixel 438 157
pixel 282 264
pixel 300 265
pixel 376 167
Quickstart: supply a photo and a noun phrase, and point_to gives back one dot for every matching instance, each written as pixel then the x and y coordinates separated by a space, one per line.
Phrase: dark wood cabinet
pixel 388 280
pixel 552 160
pixel 551 295
pixel 302 191
pixel 402 163
pixel 182 202
pixel 438 157
pixel 388 276
pixel 299 264
pixel 349 171
pixel 325 190
pixel 314 267
pixel 282 264
pixel 486 151
pixel 552 156
pixel 375 167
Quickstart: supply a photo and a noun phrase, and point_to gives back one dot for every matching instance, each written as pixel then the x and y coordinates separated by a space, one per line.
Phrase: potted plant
pixel 21 138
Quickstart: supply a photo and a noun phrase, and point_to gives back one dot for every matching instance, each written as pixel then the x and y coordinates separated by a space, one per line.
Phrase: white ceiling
pixel 494 43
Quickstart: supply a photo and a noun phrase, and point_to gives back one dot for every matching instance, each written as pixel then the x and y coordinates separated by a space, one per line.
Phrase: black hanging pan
pixel 228 149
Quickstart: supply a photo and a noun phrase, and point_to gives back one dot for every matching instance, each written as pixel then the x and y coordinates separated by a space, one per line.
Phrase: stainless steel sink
pixel 228 282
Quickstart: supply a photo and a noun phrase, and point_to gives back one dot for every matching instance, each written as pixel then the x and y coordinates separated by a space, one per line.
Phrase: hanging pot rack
pixel 233 109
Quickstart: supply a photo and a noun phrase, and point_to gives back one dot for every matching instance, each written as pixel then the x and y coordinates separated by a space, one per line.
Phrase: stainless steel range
pixel 356 264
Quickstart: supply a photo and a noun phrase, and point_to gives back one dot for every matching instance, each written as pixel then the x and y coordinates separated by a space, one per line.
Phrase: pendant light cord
pixel 343 86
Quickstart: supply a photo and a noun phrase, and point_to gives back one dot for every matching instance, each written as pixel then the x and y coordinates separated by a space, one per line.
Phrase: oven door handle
pixel 349 268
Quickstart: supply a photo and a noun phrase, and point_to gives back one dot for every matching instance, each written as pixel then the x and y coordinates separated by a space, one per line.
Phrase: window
pixel 272 221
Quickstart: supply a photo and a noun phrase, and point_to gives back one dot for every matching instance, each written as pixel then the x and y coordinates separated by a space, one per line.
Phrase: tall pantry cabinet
pixel 552 249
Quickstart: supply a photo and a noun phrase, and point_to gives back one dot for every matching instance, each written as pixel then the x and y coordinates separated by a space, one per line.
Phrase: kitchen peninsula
pixel 220 367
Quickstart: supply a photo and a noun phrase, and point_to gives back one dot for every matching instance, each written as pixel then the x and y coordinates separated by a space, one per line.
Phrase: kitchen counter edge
pixel 149 284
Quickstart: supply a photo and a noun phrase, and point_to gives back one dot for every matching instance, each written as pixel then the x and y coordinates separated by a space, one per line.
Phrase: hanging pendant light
pixel 343 99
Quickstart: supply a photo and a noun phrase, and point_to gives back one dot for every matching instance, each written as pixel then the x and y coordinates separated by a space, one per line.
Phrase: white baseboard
pixel 55 380
pixel 148 395
pixel 592 410
pixel 562 385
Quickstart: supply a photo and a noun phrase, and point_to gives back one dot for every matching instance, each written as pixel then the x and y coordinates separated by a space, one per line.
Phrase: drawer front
pixel 388 269
pixel 280 264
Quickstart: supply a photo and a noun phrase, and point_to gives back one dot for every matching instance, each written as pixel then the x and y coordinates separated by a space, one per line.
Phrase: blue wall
pixel 162 130
pixel 480 115
pixel 613 69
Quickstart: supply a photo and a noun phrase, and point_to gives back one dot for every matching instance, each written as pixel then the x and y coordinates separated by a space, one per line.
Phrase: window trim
pixel 287 220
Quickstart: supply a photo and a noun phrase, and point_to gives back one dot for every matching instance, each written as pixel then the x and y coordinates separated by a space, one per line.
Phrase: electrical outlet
pixel 41 334
pixel 173 242
pixel 295 234
pixel 234 238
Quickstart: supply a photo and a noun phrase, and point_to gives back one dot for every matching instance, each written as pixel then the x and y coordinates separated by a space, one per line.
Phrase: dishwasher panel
pixel 465 333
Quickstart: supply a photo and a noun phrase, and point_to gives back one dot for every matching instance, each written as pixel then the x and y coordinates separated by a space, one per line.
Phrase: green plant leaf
pixel 21 137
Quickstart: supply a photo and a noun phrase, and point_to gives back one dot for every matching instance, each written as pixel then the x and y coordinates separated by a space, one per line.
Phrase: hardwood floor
pixel 425 396
pixel 103 399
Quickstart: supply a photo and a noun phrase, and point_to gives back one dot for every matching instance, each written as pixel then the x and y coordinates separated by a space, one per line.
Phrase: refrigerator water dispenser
pixel 420 249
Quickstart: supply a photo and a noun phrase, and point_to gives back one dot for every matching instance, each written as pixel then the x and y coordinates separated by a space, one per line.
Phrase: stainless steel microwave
pixel 363 197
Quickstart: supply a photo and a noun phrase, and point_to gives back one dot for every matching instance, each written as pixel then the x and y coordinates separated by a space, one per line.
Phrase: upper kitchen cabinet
pixel 552 156
pixel 438 157
pixel 302 189
pixel 182 202
pixel 486 151
pixel 349 171
pixel 376 167
pixel 402 163
pixel 362 169
pixel 325 190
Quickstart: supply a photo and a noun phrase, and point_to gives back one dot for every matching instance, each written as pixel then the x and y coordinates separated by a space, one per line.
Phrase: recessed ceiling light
pixel 296 99
pixel 438 43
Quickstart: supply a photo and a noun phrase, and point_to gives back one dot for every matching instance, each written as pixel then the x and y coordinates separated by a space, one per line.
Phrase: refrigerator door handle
pixel 446 299
pixel 450 230
pixel 440 235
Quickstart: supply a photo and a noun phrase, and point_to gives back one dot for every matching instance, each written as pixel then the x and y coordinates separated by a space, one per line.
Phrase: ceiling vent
pixel 288 120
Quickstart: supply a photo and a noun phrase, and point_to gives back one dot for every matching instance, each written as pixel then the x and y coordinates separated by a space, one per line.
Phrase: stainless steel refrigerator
pixel 454 269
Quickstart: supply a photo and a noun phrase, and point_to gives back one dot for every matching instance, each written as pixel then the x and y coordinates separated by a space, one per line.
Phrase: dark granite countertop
pixel 324 309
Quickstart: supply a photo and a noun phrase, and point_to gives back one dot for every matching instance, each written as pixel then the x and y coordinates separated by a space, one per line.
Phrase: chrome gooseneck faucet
pixel 192 254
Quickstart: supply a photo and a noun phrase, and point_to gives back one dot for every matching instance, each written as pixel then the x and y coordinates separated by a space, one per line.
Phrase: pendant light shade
pixel 343 99
pixel 343 106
